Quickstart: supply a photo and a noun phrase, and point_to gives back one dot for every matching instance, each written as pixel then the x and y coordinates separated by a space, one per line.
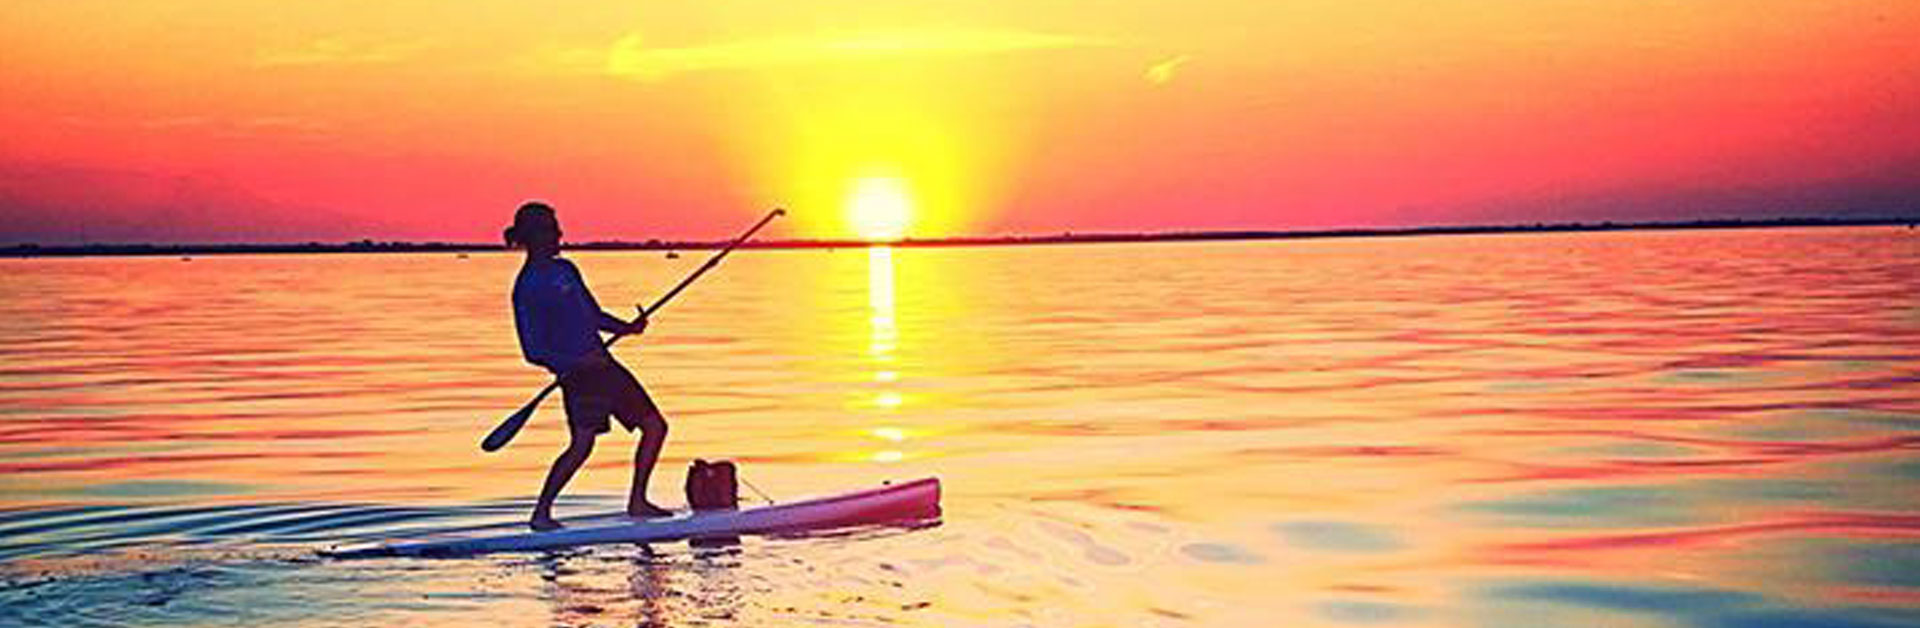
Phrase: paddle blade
pixel 504 433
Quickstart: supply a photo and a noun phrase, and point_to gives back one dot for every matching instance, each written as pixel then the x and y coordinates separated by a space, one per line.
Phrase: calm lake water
pixel 1623 429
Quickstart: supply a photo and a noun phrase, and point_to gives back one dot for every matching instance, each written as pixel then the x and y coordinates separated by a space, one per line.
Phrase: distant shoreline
pixel 371 246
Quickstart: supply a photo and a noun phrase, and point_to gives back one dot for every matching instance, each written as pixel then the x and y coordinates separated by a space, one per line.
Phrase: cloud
pixel 266 126
pixel 1160 73
pixel 1877 193
pixel 283 126
pixel 339 51
pixel 631 58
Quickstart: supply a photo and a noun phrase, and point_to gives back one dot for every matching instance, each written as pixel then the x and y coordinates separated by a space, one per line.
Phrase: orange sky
pixel 403 119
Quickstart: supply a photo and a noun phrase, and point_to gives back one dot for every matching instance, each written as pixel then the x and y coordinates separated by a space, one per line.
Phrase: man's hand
pixel 639 323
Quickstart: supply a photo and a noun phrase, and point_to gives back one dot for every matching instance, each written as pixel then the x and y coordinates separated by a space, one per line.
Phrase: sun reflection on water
pixel 885 340
pixel 886 332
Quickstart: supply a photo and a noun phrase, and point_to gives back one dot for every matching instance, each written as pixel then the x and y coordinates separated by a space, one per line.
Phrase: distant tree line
pixel 372 246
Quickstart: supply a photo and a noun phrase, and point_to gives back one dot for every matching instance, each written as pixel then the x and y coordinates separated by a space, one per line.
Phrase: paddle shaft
pixel 662 301
pixel 507 429
pixel 702 270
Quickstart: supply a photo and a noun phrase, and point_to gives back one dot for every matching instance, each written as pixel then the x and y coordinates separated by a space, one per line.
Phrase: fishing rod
pixel 504 433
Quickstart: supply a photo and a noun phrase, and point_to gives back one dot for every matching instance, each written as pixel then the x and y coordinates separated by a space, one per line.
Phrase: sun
pixel 879 208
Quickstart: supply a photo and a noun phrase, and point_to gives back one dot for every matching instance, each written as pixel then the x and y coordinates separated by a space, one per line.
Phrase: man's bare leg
pixel 564 466
pixel 653 437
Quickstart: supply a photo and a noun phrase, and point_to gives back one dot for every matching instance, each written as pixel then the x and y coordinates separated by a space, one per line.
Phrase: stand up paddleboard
pixel 909 502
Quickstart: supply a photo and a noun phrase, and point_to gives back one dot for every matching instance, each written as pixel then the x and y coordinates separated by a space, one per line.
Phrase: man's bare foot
pixel 645 510
pixel 543 524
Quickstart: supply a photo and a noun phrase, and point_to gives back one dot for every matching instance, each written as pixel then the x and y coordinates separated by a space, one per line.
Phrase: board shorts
pixel 594 394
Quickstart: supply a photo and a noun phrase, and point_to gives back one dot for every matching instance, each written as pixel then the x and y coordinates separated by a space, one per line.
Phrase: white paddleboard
pixel 915 501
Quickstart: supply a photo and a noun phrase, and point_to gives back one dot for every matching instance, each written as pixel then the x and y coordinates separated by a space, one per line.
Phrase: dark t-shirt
pixel 557 317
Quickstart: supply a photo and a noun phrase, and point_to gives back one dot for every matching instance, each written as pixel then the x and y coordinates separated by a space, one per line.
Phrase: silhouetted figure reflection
pixel 646 588
pixel 560 323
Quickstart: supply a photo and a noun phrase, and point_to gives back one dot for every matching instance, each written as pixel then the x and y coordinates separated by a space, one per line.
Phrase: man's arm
pixel 603 321
pixel 610 323
pixel 613 325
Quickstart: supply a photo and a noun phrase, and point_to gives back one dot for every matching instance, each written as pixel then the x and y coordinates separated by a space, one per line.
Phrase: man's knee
pixel 653 423
pixel 582 442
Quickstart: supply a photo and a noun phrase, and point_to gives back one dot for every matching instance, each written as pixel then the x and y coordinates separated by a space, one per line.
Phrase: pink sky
pixel 238 121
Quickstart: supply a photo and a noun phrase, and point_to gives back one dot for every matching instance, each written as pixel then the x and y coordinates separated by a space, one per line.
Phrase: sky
pixel 224 121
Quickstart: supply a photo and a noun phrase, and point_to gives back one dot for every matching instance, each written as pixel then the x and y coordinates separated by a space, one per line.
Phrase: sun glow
pixel 880 209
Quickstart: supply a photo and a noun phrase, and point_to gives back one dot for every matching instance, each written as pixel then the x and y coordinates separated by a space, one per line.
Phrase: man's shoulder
pixel 557 267
pixel 544 274
pixel 567 275
pixel 548 267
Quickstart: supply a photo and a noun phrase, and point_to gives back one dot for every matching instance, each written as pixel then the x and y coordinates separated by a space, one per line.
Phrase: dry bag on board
pixel 712 486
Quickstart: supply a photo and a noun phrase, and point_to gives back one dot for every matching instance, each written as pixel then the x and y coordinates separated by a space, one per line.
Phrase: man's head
pixel 535 228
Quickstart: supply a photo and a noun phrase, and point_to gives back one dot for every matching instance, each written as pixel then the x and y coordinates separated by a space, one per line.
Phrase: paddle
pixel 509 428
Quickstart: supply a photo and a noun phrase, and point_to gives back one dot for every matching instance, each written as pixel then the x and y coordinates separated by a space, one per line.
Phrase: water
pixel 1623 429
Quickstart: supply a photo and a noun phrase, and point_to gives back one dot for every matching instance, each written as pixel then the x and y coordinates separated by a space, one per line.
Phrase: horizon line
pixel 368 245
